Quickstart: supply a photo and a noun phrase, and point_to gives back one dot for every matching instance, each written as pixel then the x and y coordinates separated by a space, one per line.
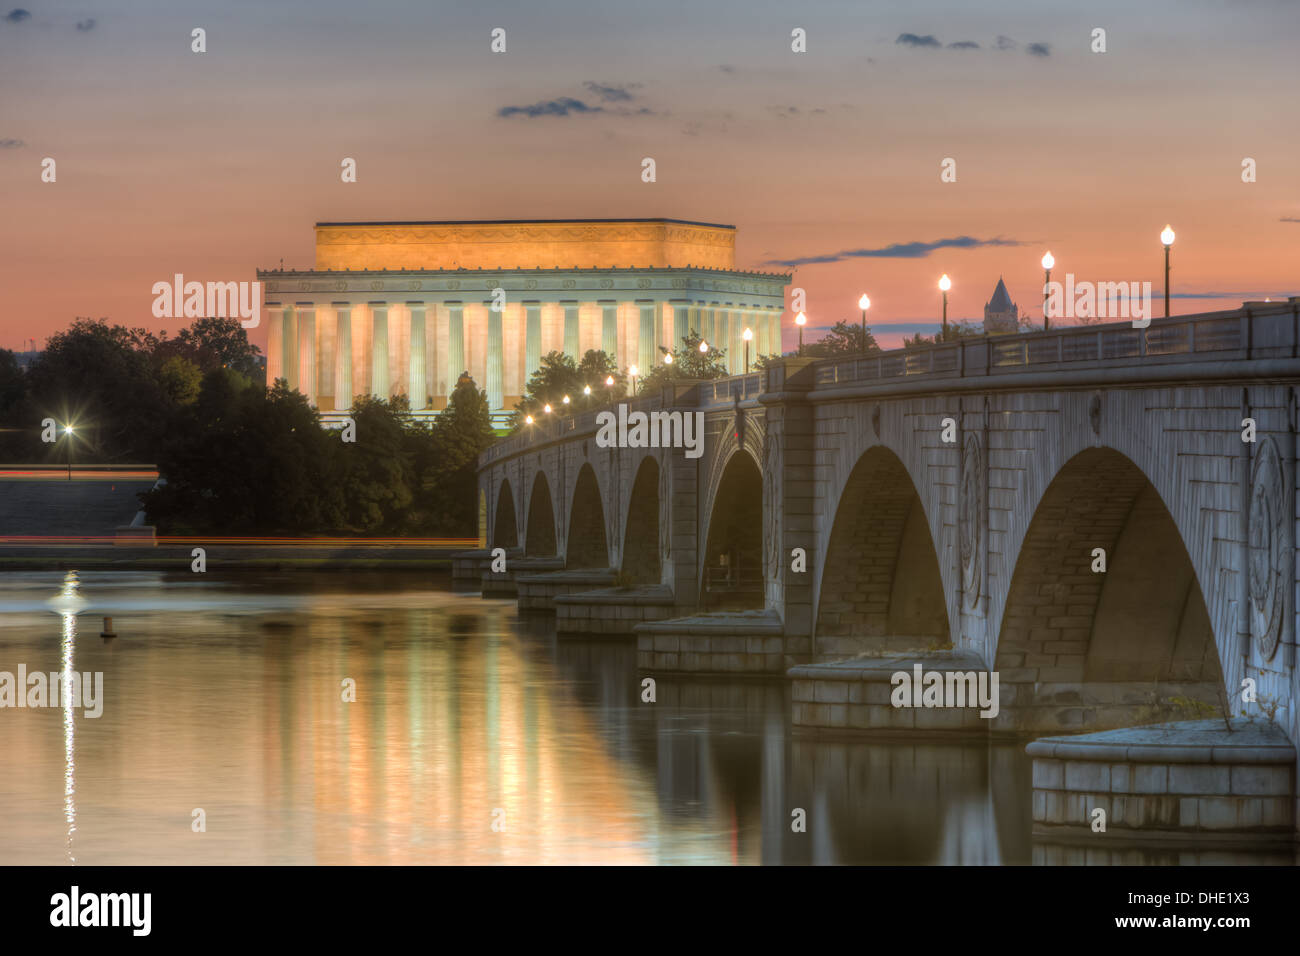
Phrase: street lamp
pixel 944 285
pixel 668 358
pixel 1167 237
pixel 704 347
pixel 864 303
pixel 67 433
pixel 528 419
pixel 634 372
pixel 748 336
pixel 1048 262
pixel 800 320
pixel 547 408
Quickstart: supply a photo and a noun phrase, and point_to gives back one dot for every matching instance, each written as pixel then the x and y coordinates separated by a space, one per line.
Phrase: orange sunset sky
pixel 215 164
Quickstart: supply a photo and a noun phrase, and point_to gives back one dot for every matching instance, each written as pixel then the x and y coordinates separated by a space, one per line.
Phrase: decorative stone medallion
pixel 970 528
pixel 1266 549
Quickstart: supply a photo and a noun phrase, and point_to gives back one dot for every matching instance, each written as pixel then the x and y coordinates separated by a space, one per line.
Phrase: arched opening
pixel 641 538
pixel 505 534
pixel 733 556
pixel 586 546
pixel 539 541
pixel 1093 648
pixel 881 588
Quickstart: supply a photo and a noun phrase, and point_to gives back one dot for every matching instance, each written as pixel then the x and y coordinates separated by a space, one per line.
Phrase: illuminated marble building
pixel 403 308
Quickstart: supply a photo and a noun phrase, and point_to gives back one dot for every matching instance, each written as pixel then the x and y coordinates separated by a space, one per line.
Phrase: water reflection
pixel 475 737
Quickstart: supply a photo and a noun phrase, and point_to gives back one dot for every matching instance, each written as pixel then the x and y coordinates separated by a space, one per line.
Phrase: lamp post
pixel 1167 237
pixel 67 433
pixel 944 285
pixel 634 372
pixel 668 359
pixel 1048 262
pixel 864 303
pixel 801 320
pixel 586 392
pixel 748 336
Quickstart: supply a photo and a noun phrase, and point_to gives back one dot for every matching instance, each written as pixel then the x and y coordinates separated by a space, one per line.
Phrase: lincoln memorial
pixel 403 308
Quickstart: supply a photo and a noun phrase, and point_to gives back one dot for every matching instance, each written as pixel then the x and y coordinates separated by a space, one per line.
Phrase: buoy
pixel 108 628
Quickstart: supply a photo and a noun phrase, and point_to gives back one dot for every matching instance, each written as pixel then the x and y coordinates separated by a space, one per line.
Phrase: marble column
pixel 274 313
pixel 710 325
pixel 532 339
pixel 496 351
pixel 342 356
pixel 379 385
pixel 571 338
pixel 417 390
pixel 696 320
pixel 647 352
pixel 609 327
pixel 307 350
pixel 289 338
pixel 681 323
pixel 455 344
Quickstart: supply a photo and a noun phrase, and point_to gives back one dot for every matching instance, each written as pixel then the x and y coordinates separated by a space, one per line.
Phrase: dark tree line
pixel 239 457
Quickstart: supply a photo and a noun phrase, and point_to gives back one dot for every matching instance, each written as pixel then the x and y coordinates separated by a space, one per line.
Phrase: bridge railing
pixel 1192 338
pixel 1257 330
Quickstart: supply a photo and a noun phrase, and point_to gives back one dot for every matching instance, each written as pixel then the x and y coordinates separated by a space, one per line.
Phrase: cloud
pixel 611 92
pixel 18 15
pixel 1238 295
pixel 911 39
pixel 563 106
pixel 964 45
pixel 1005 43
pixel 727 68
pixel 1289 219
pixel 11 144
pixel 899 250
pixel 86 25
pixel 1039 49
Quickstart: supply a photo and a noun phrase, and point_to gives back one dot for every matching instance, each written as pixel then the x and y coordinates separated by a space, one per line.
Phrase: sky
pixel 827 161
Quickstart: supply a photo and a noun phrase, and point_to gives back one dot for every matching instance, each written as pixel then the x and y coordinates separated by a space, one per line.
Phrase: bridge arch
pixel 505 532
pixel 641 556
pixel 732 573
pixel 1110 648
pixel 539 538
pixel 585 544
pixel 881 587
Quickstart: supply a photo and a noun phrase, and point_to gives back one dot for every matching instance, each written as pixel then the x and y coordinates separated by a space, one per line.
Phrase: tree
pixel 215 342
pixel 559 375
pixel 688 364
pixel 244 459
pixel 101 377
pixel 955 330
pixel 848 338
pixel 180 380
pixel 447 500
pixel 375 473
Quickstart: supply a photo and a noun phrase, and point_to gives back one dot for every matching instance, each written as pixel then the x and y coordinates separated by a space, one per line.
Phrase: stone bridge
pixel 953 502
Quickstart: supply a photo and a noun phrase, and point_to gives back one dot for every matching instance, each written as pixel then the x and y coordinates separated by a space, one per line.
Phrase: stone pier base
pixel 613 611
pixel 502 584
pixel 1167 780
pixel 537 592
pixel 736 642
pixel 855 695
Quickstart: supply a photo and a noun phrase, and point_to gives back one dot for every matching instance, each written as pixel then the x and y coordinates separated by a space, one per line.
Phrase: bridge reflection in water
pixel 224 694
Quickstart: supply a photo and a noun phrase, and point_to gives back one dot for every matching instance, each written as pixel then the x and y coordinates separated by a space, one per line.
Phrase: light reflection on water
pixel 226 694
